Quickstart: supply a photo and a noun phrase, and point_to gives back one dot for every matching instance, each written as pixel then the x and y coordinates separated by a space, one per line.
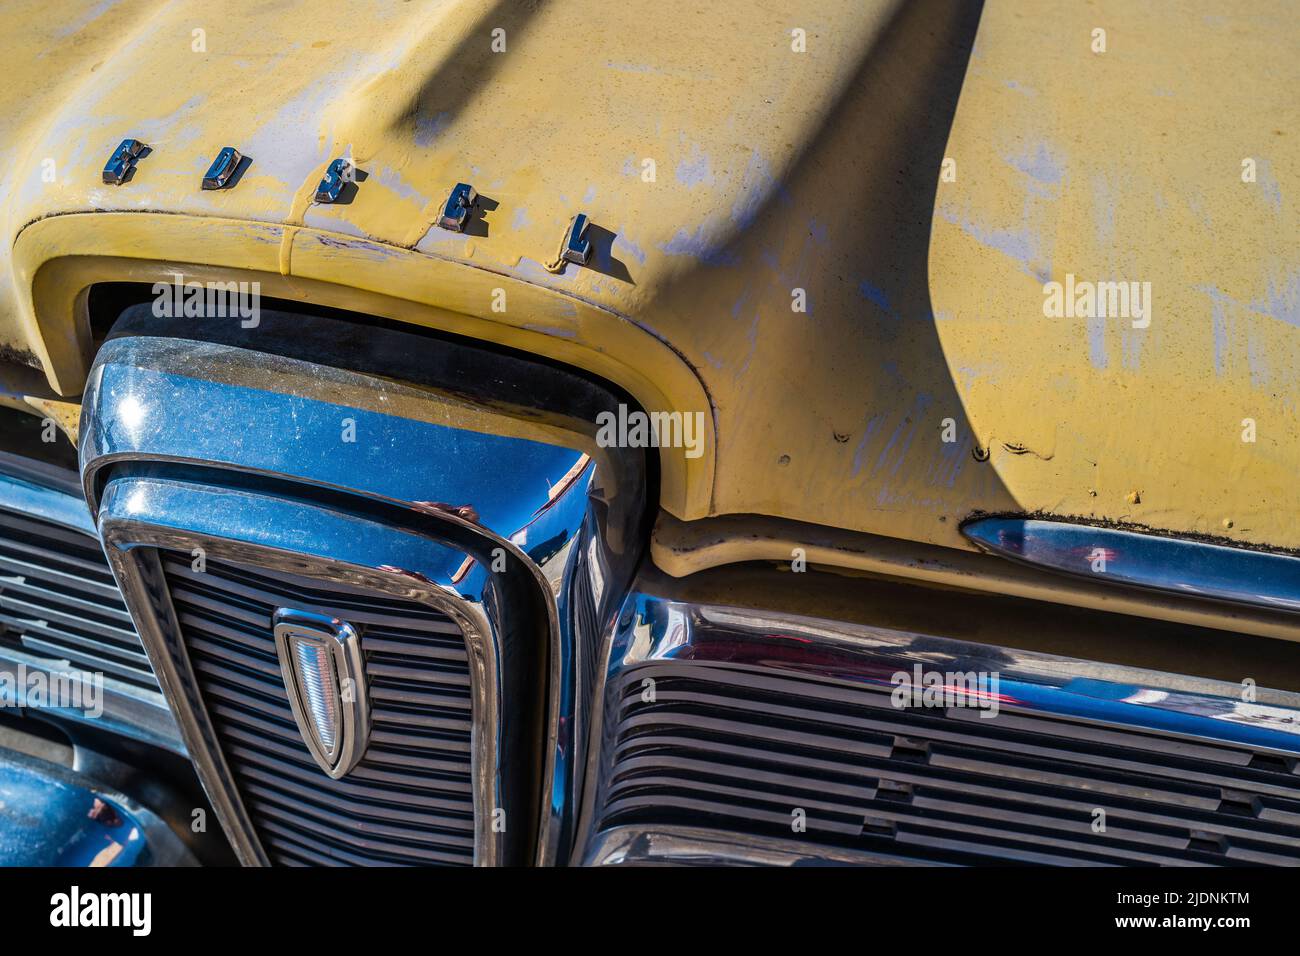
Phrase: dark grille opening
pixel 740 749
pixel 58 601
pixel 409 801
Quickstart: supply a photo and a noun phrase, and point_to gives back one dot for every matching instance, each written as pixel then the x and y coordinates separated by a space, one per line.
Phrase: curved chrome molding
pixel 347 715
pixel 44 501
pixel 144 512
pixel 122 709
pixel 653 629
pixel 1178 565
pixel 125 709
pixel 696 846
pixel 487 479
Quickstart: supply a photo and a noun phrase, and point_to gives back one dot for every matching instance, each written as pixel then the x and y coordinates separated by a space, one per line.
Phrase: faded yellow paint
pixel 66 415
pixel 1127 165
pixel 775 171
pixel 212 249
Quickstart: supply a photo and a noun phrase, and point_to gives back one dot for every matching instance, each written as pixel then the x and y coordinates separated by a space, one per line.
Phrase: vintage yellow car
pixel 560 432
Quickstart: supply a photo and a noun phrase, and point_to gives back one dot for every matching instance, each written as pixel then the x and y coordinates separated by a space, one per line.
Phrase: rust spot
pixel 9 353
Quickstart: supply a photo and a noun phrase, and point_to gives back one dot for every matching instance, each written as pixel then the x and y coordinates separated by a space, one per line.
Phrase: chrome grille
pixel 740 749
pixel 58 601
pixel 409 801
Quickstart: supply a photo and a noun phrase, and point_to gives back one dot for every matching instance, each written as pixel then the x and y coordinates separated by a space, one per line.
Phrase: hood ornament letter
pixel 324 676
pixel 119 166
pixel 458 207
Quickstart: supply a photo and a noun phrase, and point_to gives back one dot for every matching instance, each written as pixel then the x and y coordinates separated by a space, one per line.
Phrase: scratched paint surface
pixel 774 171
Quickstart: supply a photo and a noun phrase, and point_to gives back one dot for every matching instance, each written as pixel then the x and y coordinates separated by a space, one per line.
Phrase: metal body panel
pixel 775 170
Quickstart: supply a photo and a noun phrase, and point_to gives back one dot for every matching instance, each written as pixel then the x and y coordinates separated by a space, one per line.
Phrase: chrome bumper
pixel 54 816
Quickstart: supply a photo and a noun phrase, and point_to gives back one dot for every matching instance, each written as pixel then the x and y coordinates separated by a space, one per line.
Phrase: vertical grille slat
pixel 58 601
pixel 410 799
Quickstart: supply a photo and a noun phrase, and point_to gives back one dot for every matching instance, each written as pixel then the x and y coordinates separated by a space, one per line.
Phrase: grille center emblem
pixel 324 675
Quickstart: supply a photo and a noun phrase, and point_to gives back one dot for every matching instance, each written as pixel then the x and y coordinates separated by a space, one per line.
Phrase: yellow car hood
pixel 827 223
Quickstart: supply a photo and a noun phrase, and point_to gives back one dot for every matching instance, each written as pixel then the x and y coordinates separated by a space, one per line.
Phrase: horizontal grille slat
pixel 33 595
pixel 413 831
pixel 59 602
pixel 282 760
pixel 410 799
pixel 21 612
pixel 304 847
pixel 747 749
pixel 234 593
pixel 418 815
pixel 104 591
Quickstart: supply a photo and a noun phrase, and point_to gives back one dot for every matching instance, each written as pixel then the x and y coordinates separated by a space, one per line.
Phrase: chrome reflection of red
pixel 1088 555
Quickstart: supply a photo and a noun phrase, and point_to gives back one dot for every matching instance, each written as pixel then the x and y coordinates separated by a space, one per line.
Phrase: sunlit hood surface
pixel 844 306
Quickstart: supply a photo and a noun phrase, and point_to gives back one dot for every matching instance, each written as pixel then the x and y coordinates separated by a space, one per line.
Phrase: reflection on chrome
pixel 523 532
pixel 1180 565
pixel 752 712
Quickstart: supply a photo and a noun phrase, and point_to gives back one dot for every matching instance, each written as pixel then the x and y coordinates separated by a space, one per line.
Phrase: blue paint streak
pixel 698 246
pixel 876 295
pixel 1097 342
pixel 625 246
pixel 756 184
pixel 429 128
pixel 694 171
pixel 1259 370
pixel 1020 244
pixel 1283 299
pixel 1041 166
pixel 872 425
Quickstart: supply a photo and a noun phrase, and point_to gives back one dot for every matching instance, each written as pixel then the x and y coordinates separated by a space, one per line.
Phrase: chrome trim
pixel 698 846
pixel 343 696
pixel 457 208
pixel 222 168
pixel 124 709
pixel 653 628
pixel 128 710
pixel 1154 561
pixel 42 501
pixel 337 175
pixel 566 516
pixel 121 164
pixel 143 512
pixel 576 248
